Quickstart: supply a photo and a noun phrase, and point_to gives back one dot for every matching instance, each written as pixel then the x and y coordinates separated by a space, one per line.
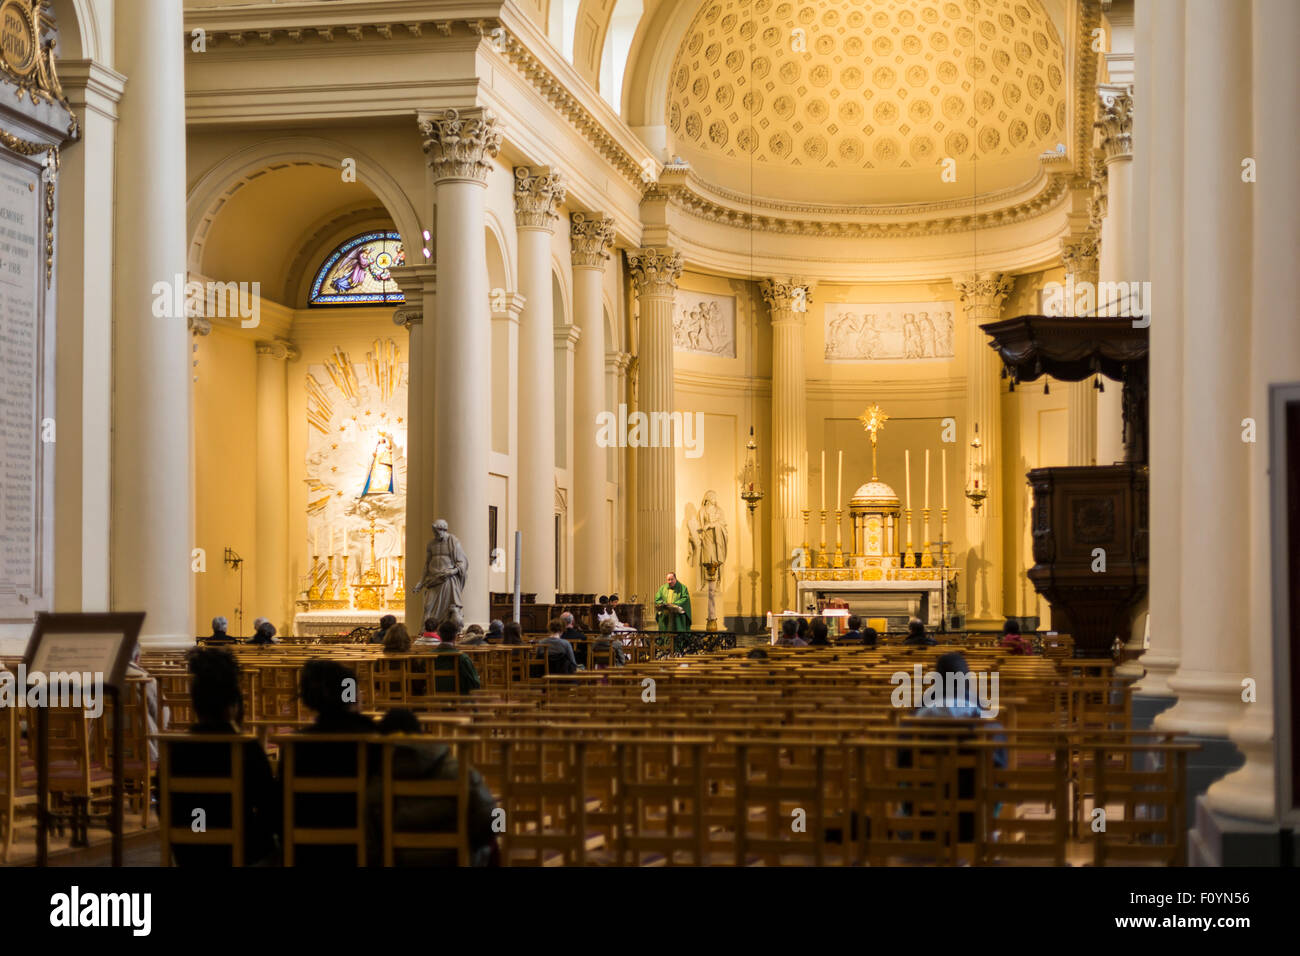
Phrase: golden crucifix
pixel 873 420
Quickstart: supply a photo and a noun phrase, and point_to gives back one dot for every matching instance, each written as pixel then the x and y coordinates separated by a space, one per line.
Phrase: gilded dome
pixel 874 494
pixel 885 87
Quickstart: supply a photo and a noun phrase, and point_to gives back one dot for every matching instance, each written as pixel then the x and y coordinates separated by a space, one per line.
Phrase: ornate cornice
pixel 787 298
pixel 1098 204
pixel 280 349
pixel 27 56
pixel 1085 92
pixel 567 337
pixel 459 143
pixel 693 196
pixel 1115 120
pixel 539 193
pixel 655 271
pixel 590 237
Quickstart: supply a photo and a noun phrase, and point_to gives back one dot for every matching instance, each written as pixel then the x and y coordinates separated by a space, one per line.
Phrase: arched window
pixel 356 272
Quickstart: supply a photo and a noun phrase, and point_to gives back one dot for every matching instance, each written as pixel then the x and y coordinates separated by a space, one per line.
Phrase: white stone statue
pixel 445 570
pixel 708 548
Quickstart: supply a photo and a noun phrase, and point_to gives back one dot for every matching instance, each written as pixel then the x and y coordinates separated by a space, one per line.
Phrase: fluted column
pixel 1079 256
pixel 1116 258
pixel 1274 358
pixel 1163 130
pixel 1216 369
pixel 417 283
pixel 459 145
pixel 272 593
pixel 539 192
pixel 788 300
pixel 982 294
pixel 153 514
pixel 590 237
pixel 655 273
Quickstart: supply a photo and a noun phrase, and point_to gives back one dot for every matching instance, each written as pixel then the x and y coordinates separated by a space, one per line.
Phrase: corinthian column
pixel 655 273
pixel 272 592
pixel 1116 261
pixel 788 301
pixel 459 145
pixel 982 294
pixel 590 236
pixel 1216 239
pixel 153 514
pixel 1079 256
pixel 539 192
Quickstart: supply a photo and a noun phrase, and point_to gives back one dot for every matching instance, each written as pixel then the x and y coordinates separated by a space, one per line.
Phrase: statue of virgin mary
pixel 379 479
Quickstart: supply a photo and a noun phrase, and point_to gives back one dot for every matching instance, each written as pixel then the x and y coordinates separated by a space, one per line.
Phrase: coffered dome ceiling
pixel 868 95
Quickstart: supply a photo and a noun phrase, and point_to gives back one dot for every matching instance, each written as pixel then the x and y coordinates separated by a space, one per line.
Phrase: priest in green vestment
pixel 673 609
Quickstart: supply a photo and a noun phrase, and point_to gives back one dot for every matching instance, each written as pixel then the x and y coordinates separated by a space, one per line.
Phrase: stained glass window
pixel 356 273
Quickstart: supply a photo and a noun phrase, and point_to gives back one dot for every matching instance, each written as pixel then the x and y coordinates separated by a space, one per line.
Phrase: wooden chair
pixel 74 777
pixel 659 801
pixel 1144 800
pixel 1024 806
pixel 229 788
pixel 907 811
pixel 349 784
pixel 396 790
pixel 17 789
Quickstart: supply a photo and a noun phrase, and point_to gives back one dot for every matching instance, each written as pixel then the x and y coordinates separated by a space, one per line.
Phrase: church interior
pixel 489 379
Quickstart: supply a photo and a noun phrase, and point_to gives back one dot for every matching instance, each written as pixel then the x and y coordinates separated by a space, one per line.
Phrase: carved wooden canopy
pixel 1068 349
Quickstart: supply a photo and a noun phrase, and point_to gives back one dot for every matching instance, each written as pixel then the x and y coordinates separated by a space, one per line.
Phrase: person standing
pixel 673 609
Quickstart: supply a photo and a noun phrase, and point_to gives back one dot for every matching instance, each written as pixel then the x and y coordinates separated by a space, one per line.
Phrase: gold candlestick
pixel 945 546
pixel 839 526
pixel 806 513
pixel 328 593
pixel 821 551
pixel 927 559
pixel 343 583
pixel 909 559
pixel 313 592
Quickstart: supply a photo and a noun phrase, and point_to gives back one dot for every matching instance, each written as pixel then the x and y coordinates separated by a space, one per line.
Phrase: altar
pixel 333 623
pixel 883 574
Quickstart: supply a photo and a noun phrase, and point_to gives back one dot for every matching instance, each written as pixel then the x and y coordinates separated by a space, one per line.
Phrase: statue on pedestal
pixel 445 569
pixel 708 547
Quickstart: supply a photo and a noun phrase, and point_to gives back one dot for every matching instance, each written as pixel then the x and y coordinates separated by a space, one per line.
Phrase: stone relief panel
pixel 893 330
pixel 704 323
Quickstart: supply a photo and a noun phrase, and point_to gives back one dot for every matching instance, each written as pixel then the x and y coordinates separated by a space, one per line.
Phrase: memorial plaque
pixel 22 348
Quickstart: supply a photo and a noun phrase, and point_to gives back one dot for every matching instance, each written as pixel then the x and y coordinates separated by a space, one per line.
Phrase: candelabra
pixel 839 544
pixel 821 550
pixel 976 487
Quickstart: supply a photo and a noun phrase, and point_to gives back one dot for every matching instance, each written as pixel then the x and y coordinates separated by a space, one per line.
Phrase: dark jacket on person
pixel 263 805
pixel 331 810
pixel 920 639
pixel 469 679
pixel 429 761
pixel 560 653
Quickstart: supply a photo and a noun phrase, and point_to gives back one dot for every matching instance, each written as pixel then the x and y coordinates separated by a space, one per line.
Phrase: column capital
pixel 567 336
pixel 506 305
pixel 983 290
pixel 1115 120
pixel 787 297
pixel 539 193
pixel 618 362
pixel 408 315
pixel 459 143
pixel 414 281
pixel 655 271
pixel 591 234
pixel 1079 254
pixel 280 349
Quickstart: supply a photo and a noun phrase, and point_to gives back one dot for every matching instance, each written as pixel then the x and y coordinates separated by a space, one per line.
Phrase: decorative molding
pixel 539 193
pixel 509 308
pixel 704 323
pixel 655 272
pixel 591 235
pixel 983 293
pixel 408 315
pixel 857 332
pixel 694 197
pixel 566 337
pixel 459 143
pixel 787 298
pixel 1079 255
pixel 1084 74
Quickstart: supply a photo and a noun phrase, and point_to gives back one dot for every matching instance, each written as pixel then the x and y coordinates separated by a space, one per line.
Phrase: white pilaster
pixel 1115 262
pixel 272 590
pixel 1079 256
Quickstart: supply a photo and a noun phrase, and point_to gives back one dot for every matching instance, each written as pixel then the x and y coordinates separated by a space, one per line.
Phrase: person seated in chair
pixel 854 634
pixel 219 635
pixel 263 632
pixel 790 634
pixel 514 634
pixel 397 640
pixel 218 709
pixel 820 633
pixel 916 634
pixel 559 652
pixel 381 632
pixel 429 636
pixel 428 760
pixel 469 679
pixel 607 646
pixel 1011 639
pixel 472 637
pixel 496 632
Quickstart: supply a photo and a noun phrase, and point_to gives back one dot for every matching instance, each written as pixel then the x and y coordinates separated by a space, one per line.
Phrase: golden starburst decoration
pixel 873 421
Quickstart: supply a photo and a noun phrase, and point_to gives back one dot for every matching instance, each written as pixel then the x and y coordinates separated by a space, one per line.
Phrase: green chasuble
pixel 669 620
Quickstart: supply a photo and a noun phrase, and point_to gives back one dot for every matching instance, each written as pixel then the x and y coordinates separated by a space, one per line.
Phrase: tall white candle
pixel 823 479
pixel 839 482
pixel 926 504
pixel 943 476
pixel 907 472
